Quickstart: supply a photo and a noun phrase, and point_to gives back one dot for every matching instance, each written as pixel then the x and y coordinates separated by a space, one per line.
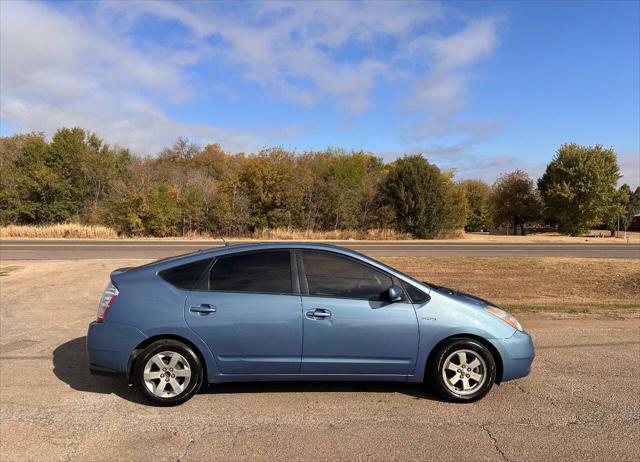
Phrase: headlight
pixel 506 317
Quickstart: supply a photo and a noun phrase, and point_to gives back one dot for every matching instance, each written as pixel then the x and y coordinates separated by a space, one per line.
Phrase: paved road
pixel 72 250
pixel 579 403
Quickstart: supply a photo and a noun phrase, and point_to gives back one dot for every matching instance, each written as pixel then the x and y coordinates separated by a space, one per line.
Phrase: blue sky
pixel 482 87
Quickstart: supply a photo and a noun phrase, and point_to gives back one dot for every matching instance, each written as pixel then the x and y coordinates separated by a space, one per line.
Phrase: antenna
pixel 226 244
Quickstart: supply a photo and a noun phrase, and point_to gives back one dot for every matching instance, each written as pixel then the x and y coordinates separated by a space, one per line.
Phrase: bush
pixel 425 201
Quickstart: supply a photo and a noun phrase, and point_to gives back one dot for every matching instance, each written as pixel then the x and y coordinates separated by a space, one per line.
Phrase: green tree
pixel 269 181
pixel 628 206
pixel 425 201
pixel 614 213
pixel 20 192
pixel 162 216
pixel 101 167
pixel 478 194
pixel 40 193
pixel 514 201
pixel 348 189
pixel 578 186
pixel 192 206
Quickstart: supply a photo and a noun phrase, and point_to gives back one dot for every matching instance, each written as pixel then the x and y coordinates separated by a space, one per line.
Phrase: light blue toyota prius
pixel 296 311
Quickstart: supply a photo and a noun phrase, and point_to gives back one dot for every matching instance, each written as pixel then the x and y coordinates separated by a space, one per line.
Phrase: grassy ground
pixel 574 285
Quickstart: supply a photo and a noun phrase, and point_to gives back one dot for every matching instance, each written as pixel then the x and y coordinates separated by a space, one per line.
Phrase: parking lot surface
pixel 581 401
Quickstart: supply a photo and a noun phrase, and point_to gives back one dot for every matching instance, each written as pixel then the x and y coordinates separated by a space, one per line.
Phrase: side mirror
pixel 394 294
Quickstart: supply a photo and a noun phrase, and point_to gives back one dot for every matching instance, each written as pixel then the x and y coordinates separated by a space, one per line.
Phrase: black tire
pixel 174 346
pixel 482 387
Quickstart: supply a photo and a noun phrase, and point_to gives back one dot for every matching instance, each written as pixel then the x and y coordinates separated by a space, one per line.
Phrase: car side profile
pixel 297 311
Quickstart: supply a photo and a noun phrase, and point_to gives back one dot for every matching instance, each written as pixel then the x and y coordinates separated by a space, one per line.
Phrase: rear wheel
pixel 464 370
pixel 168 373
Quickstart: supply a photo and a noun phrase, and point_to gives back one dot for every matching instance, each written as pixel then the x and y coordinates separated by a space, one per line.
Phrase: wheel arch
pixel 149 340
pixel 488 345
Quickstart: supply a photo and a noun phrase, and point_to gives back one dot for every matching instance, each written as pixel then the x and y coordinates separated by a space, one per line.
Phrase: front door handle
pixel 203 309
pixel 318 313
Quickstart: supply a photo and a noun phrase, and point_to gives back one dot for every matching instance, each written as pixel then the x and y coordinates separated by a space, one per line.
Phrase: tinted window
pixel 185 276
pixel 266 272
pixel 335 276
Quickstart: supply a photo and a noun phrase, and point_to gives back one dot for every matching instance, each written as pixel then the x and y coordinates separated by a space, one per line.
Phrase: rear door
pixel 248 314
pixel 348 328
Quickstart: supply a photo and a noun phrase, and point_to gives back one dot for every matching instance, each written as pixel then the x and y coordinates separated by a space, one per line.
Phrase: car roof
pixel 278 245
pixel 249 247
pixel 258 246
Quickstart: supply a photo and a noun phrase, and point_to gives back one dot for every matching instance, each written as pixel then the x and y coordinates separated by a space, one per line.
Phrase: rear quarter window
pixel 185 276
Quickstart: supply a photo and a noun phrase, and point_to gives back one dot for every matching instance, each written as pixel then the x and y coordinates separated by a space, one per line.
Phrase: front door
pixel 348 328
pixel 249 316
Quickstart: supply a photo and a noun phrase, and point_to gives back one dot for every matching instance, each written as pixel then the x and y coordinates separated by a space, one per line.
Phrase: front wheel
pixel 168 373
pixel 465 370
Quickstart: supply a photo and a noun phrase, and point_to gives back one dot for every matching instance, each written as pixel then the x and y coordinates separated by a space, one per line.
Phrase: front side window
pixel 331 275
pixel 264 272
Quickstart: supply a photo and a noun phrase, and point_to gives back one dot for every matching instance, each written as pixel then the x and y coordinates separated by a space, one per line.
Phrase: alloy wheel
pixel 167 374
pixel 464 372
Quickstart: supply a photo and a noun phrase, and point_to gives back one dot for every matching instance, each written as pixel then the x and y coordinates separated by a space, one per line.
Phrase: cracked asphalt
pixel 581 401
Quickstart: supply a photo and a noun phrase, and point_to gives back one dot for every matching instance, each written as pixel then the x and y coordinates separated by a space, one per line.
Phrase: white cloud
pixel 442 91
pixel 62 65
pixel 477 40
pixel 132 123
pixel 288 46
pixel 62 70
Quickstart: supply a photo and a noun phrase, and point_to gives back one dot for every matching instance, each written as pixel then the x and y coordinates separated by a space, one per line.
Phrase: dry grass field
pixel 579 285
pixel 77 231
pixel 559 285
pixel 60 231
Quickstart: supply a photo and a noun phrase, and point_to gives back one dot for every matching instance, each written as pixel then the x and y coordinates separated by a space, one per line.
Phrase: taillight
pixel 108 297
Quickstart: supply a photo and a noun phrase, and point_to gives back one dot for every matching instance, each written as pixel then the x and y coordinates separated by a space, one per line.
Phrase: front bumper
pixel 517 354
pixel 109 347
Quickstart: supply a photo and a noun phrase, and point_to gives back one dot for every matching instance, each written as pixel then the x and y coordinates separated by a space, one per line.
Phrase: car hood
pixel 460 296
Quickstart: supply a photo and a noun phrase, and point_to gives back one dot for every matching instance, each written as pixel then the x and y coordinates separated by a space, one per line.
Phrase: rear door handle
pixel 203 309
pixel 318 313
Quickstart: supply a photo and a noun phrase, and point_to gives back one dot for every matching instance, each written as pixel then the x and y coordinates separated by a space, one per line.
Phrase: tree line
pixel 76 177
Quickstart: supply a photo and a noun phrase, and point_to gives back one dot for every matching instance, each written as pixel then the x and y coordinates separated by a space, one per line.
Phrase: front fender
pixel 441 318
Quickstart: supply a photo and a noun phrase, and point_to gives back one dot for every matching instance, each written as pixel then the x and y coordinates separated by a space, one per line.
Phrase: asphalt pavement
pixel 84 249
pixel 580 402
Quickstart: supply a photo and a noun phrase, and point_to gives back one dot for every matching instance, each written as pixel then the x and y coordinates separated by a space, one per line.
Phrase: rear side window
pixel 331 275
pixel 265 272
pixel 185 276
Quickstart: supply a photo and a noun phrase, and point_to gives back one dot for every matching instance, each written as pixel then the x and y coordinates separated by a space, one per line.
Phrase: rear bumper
pixel 109 347
pixel 517 354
